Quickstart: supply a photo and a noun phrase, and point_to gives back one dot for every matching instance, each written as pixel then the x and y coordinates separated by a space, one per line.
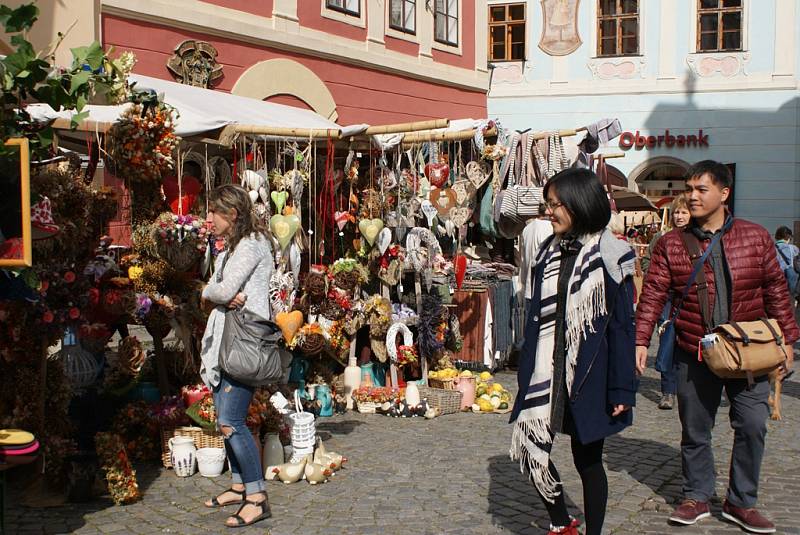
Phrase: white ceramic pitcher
pixel 183 455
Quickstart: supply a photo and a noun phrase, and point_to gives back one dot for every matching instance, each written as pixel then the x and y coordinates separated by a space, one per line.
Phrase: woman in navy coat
pixel 577 371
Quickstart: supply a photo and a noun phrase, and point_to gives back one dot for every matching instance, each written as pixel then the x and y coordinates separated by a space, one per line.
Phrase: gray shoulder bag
pixel 249 350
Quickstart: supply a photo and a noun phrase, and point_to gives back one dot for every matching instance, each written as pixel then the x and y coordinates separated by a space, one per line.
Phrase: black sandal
pixel 216 503
pixel 265 513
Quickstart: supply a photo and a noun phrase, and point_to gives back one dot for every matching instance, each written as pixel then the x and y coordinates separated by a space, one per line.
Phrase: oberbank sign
pixel 629 140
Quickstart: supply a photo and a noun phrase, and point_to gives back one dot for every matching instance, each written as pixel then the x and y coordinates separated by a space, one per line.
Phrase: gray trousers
pixel 699 393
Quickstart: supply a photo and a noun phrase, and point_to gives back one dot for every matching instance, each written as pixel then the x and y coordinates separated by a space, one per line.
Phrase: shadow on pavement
pixel 513 502
pixel 327 429
pixel 654 464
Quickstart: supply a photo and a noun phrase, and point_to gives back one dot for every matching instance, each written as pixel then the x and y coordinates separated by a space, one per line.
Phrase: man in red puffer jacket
pixel 745 283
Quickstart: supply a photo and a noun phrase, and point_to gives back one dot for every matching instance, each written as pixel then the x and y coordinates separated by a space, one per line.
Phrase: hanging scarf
pixel 532 438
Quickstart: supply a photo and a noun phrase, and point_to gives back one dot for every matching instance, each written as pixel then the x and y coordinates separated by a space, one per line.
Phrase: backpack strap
pixel 692 246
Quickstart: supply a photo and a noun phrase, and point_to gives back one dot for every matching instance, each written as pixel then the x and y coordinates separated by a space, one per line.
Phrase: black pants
pixel 588 459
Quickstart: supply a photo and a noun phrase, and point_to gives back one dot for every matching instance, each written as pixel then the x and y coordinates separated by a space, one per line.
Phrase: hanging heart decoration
pixel 384 240
pixel 443 200
pixel 281 290
pixel 289 323
pixel 464 191
pixel 460 265
pixel 253 195
pixel 429 210
pixel 341 218
pixel 284 228
pixel 188 191
pixel 411 178
pixel 460 215
pixel 477 173
pixel 252 180
pixel 437 173
pixel 279 198
pixel 370 228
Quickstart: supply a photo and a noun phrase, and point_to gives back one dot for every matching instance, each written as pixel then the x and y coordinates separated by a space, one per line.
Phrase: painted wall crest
pixel 195 63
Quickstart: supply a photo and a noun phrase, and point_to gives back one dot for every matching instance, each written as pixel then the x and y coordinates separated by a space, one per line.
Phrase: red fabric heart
pixel 437 173
pixel 190 189
pixel 460 263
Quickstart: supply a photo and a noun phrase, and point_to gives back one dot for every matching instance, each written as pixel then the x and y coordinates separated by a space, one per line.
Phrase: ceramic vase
pixel 412 394
pixel 183 455
pixel 352 380
pixel 272 451
pixel 325 400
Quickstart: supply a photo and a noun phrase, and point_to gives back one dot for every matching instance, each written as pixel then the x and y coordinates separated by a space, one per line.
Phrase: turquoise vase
pixel 369 369
pixel 323 395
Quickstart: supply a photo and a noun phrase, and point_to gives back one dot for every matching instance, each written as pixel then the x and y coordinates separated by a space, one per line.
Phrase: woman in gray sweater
pixel 241 277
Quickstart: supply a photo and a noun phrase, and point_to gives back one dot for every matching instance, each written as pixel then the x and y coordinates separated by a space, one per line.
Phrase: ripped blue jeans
pixel 232 400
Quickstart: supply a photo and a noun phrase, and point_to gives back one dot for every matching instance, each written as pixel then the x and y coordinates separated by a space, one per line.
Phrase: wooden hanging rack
pixel 461 135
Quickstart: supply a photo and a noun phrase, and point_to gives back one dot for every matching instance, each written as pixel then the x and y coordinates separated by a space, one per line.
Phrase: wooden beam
pixel 407 127
pixel 87 125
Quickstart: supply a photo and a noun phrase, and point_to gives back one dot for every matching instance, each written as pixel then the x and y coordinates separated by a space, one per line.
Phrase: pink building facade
pixel 353 61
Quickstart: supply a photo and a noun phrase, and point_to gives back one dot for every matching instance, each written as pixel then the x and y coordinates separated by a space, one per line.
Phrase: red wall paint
pixel 262 8
pixel 467 57
pixel 289 100
pixel 362 95
pixel 310 14
pixel 402 46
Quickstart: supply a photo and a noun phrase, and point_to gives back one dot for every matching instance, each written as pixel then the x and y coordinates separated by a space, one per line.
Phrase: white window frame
pixel 644 11
pixel 444 47
pixel 359 21
pixel 411 35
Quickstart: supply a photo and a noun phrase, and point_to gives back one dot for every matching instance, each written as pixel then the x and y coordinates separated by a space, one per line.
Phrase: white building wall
pixel 752 116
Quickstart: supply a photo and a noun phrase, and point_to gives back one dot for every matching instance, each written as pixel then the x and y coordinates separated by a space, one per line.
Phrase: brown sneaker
pixel 749 519
pixel 666 402
pixel 689 512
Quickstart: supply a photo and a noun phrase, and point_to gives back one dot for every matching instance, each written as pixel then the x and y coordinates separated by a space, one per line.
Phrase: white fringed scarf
pixel 532 438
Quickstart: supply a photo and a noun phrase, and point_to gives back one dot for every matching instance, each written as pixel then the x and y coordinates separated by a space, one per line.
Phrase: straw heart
pixel 284 228
pixel 459 216
pixel 370 228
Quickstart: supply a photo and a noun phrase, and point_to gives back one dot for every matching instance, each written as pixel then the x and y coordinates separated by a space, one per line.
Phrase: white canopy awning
pixel 201 110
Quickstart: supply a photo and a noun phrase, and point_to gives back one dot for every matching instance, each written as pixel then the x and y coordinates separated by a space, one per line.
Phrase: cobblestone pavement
pixel 451 475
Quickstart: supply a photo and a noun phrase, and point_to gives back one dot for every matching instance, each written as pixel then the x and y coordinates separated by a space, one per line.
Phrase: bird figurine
pixel 330 458
pixel 317 473
pixel 291 472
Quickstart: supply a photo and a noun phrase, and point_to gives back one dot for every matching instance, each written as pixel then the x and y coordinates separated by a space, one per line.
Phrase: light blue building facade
pixel 745 98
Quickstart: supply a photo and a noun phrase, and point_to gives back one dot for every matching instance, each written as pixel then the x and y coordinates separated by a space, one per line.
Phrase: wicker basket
pixel 442 384
pixel 203 438
pixel 447 401
pixel 367 407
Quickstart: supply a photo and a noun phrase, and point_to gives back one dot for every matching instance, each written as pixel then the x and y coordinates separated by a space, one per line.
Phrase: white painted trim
pixel 352 20
pixel 785 39
pixel 419 14
pixel 285 9
pixel 482 36
pixel 746 10
pixel 667 59
pixel 450 49
pixel 376 27
pixel 262 31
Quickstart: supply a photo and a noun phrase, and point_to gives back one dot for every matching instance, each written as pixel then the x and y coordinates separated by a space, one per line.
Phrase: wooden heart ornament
pixel 444 200
pixel 437 173
pixel 279 198
pixel 460 215
pixel 289 323
pixel 370 228
pixel 477 173
pixel 284 228
pixel 464 191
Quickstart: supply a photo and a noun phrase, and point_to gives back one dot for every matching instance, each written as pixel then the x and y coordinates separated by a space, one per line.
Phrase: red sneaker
pixel 572 529
pixel 748 519
pixel 689 512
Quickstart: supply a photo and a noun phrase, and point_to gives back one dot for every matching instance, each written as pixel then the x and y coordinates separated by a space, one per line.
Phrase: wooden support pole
pixel 407 127
pixel 611 155
pixel 461 135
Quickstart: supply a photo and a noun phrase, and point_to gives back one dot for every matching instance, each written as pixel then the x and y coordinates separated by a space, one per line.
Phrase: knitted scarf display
pixel 532 438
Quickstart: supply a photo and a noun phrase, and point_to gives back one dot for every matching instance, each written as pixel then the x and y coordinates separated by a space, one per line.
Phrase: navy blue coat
pixel 606 367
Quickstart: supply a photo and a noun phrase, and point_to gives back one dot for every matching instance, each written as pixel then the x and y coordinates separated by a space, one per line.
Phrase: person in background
pixel 743 283
pixel 788 258
pixel 679 218
pixel 240 280
pixel 577 371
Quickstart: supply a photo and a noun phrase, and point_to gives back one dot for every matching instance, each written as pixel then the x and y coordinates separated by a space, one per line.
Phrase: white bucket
pixel 210 461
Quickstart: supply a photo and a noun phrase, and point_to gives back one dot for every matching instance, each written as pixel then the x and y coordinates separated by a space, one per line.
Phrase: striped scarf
pixel 532 438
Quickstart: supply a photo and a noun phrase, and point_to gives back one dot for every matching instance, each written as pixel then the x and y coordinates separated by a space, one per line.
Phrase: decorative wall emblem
pixel 723 64
pixel 511 73
pixel 617 68
pixel 560 27
pixel 195 63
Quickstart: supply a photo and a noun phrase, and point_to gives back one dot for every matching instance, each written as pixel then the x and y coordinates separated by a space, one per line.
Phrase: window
pixel 403 15
pixel 445 22
pixel 507 32
pixel 348 7
pixel 719 25
pixel 618 28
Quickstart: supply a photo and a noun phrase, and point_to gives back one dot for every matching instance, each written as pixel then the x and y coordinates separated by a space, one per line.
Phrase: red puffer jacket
pixel 758 286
